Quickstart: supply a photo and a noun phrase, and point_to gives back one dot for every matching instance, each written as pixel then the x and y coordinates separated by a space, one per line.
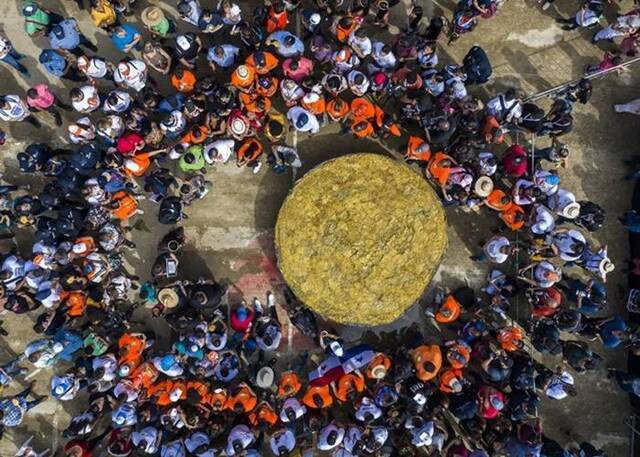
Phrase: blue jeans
pixel 12 59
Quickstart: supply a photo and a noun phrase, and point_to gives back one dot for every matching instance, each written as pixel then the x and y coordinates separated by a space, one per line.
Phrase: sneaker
pixel 257 168
pixel 257 304
pixel 271 300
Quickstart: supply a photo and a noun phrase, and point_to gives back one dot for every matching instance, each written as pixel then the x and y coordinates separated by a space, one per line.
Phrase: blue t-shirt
pixel 54 63
pixel 67 36
pixel 121 42
pixel 609 340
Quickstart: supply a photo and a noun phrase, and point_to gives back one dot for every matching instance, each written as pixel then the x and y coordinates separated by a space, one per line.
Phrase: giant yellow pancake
pixel 359 238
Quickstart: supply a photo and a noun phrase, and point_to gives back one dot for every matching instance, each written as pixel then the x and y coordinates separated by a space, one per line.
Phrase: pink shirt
pixel 305 68
pixel 44 99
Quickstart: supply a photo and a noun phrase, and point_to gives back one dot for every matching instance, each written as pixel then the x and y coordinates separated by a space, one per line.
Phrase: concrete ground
pixel 230 232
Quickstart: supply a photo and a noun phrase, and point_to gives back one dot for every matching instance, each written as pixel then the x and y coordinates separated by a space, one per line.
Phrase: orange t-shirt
pixel 438 171
pixel 494 200
pixel 447 377
pixel 509 217
pixel 185 84
pixel 263 414
pixel 460 351
pixel 243 83
pixel 362 108
pixel 270 60
pixel 323 391
pixel 379 360
pixel 243 396
pixel 449 311
pixel 418 149
pixel 347 383
pixel 218 399
pixel 289 384
pixel 248 153
pixel 426 353
pixel 337 109
pixel 138 164
pixel 127 205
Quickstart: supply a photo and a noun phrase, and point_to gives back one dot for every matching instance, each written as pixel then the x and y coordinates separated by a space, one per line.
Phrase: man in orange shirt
pixel 318 397
pixel 248 153
pixel 183 80
pixel 337 109
pixel 427 360
pixel 262 62
pixel 418 150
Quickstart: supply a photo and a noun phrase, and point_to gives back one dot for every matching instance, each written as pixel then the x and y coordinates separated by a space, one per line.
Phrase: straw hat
pixel 483 186
pixel 168 297
pixel 152 16
pixel 571 211
pixel 238 127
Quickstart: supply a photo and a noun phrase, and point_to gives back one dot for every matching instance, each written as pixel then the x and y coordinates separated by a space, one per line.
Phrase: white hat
pixel 379 372
pixel 483 186
pixel 79 248
pixel 314 19
pixel 571 211
pixel 265 377
pixel 606 266
pixel 336 348
pixel 311 97
pixel 243 71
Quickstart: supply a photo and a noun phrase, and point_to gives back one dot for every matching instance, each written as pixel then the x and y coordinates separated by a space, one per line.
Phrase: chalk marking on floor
pixel 33 373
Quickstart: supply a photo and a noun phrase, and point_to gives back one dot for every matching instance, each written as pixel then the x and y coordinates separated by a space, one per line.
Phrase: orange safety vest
pixel 418 149
pixel 449 310
pixel 426 353
pixel 323 391
pixel 342 33
pixel 289 385
pixel 337 109
pixel 144 375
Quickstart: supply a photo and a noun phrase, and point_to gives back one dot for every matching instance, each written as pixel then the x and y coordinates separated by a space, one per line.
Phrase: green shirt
pixel 36 22
pixel 162 29
pixel 197 164
pixel 97 343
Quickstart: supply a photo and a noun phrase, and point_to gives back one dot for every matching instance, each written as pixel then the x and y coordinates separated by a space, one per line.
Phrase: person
pixel 156 22
pixel 14 408
pixel 10 56
pixel 126 38
pixel 41 98
pixel 66 37
pixel 13 109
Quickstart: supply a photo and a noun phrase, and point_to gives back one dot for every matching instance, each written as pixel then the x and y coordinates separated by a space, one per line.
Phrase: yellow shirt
pixel 103 18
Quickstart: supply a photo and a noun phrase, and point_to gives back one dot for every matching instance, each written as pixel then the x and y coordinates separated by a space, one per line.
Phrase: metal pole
pixel 595 75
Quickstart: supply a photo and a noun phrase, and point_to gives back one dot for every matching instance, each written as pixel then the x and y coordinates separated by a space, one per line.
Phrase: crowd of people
pixel 229 83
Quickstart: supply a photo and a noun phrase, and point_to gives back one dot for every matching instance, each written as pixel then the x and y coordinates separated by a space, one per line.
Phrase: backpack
pixel 477 66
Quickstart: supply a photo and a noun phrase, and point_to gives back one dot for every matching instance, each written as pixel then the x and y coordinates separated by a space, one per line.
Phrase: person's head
pixel 385 50
pixel 444 125
pixel 510 94
pixel 317 400
pixel 428 366
pixel 218 51
pixel 332 437
pixel 32 93
pixel 237 446
pixel 120 32
pixel 289 40
pixel 76 94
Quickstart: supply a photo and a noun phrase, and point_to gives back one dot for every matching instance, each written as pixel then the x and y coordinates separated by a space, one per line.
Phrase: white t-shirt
pixel 556 388
pixel 492 249
pixel 85 106
pixel 16 111
pixel 285 439
pixel 219 151
pixel 136 78
pixel 543 220
pixel 362 46
pixel 323 443
pixel 96 69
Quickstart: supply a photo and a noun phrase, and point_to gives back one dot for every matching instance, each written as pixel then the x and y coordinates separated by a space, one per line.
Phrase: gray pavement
pixel 230 231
